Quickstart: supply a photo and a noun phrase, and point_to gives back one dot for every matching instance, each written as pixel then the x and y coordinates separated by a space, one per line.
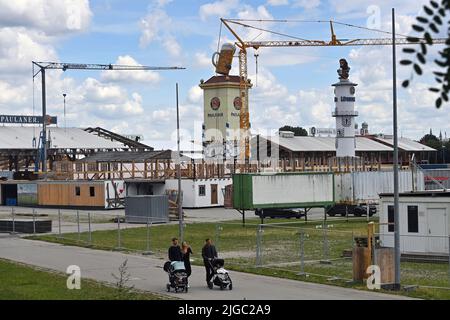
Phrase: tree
pixel 426 25
pixel 298 131
pixel 431 141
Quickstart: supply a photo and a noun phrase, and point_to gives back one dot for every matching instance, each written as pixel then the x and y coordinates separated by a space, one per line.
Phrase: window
pixel 390 218
pixel 79 167
pixel 77 191
pixel 413 219
pixel 92 191
pixel 202 190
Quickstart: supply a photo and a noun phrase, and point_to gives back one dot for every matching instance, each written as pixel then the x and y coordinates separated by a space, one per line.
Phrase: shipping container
pixel 147 209
pixel 353 187
pixel 283 190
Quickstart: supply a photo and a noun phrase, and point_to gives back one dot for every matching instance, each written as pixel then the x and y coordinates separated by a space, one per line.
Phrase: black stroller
pixel 220 277
pixel 178 278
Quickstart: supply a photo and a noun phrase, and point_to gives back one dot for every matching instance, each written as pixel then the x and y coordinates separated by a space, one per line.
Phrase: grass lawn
pixel 23 282
pixel 281 243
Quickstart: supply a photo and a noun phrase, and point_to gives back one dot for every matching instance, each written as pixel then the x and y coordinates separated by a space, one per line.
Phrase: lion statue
pixel 344 69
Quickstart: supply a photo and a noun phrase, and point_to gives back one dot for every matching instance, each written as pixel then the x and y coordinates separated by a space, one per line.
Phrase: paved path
pixel 147 274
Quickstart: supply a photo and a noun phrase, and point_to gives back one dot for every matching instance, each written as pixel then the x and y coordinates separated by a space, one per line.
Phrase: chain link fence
pixel 312 249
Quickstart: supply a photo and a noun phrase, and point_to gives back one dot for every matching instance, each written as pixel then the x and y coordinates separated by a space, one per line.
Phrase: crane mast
pixel 244 143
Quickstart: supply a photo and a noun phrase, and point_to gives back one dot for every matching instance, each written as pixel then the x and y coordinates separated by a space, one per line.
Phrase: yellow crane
pixel 244 143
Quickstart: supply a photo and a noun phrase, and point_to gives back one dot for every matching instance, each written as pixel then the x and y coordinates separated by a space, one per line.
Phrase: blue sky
pixel 294 84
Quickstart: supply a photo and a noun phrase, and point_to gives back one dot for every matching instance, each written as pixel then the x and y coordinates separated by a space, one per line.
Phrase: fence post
pixel 325 259
pixel 13 213
pixel 78 225
pixel 148 251
pixel 89 229
pixel 119 240
pixel 34 221
pixel 302 254
pixel 217 241
pixel 258 246
pixel 59 223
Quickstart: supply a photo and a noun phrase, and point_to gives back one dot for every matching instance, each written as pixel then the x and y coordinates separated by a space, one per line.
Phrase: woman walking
pixel 186 251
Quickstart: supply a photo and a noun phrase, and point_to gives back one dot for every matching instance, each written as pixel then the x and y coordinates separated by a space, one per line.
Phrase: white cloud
pixel 220 8
pixel 158 26
pixel 156 21
pixel 12 95
pixel 307 4
pixel 52 17
pixel 277 2
pixel 201 59
pixel 195 95
pixel 18 47
pixel 96 91
pixel 172 46
pixel 130 76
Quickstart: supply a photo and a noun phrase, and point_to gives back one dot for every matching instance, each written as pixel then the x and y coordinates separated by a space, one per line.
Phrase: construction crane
pixel 244 143
pixel 43 66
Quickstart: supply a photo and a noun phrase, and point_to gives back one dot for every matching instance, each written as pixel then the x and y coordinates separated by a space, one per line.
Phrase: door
pixel 214 194
pixel 437 230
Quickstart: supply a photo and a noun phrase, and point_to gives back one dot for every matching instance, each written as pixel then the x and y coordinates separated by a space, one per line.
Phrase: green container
pixel 283 190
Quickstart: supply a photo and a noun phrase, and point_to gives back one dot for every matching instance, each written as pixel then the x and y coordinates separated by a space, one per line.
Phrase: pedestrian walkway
pixel 147 274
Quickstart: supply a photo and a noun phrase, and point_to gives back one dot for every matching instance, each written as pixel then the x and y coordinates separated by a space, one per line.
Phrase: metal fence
pixel 312 249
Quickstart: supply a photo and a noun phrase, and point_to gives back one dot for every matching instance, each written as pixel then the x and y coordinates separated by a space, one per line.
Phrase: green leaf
pixel 438 74
pixel 405 84
pixel 422 19
pixel 444 96
pixel 413 39
pixel 438 80
pixel 417 69
pixel 409 50
pixel 442 12
pixel 418 28
pixel 428 38
pixel 438 102
pixel 434 89
pixel 440 63
pixel 434 28
pixel 421 58
pixel 438 20
pixel 434 4
pixel 428 11
pixel 405 62
pixel 423 47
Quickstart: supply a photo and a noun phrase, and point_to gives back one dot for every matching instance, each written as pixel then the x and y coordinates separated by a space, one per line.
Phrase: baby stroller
pixel 178 279
pixel 220 277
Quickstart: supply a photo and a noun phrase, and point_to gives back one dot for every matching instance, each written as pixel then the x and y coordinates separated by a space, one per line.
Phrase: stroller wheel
pixel 230 286
pixel 210 285
pixel 168 287
pixel 186 289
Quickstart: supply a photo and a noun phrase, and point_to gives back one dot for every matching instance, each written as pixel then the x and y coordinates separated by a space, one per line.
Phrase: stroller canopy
pixel 177 265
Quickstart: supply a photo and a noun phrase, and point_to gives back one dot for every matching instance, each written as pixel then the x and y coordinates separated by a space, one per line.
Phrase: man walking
pixel 175 251
pixel 209 253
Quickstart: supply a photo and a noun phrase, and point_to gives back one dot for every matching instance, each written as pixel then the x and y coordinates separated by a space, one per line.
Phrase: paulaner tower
pixel 344 98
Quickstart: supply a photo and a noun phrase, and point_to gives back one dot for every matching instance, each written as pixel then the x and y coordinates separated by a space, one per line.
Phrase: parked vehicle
pixel 355 210
pixel 280 213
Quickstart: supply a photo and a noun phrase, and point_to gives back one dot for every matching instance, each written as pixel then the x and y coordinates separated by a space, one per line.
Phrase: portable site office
pixel 72 194
pixel 424 222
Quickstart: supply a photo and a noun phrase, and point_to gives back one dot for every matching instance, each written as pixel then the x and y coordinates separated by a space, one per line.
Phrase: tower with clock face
pixel 344 112
pixel 221 109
